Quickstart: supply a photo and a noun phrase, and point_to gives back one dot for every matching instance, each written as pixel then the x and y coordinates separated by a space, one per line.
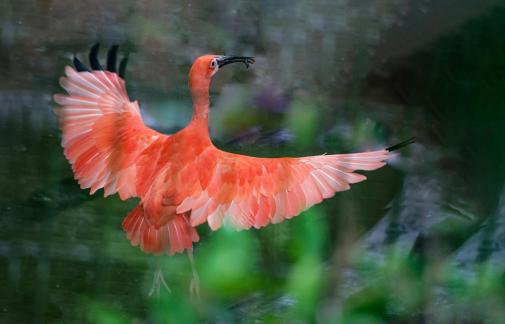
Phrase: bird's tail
pixel 175 236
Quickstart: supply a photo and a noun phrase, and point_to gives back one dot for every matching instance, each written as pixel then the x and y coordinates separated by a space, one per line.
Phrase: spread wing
pixel 103 131
pixel 253 192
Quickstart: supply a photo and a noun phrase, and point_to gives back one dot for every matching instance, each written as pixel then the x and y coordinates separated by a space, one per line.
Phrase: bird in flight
pixel 182 179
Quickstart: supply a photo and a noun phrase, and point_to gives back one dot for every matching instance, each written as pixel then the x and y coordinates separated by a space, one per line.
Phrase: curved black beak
pixel 224 60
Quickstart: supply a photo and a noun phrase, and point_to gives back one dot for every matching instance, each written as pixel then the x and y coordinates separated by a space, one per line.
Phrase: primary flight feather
pixel 182 179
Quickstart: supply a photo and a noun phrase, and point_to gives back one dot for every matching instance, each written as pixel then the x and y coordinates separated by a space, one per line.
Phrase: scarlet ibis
pixel 182 179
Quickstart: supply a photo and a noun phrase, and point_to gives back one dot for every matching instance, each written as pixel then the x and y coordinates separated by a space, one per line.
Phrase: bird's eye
pixel 213 64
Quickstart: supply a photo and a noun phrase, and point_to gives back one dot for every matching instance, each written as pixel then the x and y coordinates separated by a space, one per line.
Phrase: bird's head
pixel 202 71
pixel 207 65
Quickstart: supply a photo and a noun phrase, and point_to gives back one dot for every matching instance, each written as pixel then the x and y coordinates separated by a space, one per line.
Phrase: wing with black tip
pixel 103 131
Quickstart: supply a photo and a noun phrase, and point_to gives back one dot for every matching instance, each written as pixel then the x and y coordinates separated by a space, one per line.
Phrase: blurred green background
pixel 421 241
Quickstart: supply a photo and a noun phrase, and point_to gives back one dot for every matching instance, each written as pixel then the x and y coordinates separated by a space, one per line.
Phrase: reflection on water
pixel 421 240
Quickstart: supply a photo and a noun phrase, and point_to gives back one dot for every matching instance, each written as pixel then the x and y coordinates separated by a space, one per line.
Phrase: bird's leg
pixel 194 286
pixel 158 280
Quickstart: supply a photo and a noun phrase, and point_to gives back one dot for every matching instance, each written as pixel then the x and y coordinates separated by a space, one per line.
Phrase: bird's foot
pixel 194 286
pixel 158 281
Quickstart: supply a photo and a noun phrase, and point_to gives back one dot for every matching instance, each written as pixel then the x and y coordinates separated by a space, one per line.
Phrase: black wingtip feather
pixel 111 58
pixel 95 63
pixel 93 58
pixel 402 144
pixel 122 66
pixel 79 66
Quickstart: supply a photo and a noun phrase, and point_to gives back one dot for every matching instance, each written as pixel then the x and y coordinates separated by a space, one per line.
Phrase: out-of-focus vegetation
pixel 423 240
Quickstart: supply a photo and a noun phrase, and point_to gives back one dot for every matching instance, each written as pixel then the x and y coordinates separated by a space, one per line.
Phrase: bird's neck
pixel 199 87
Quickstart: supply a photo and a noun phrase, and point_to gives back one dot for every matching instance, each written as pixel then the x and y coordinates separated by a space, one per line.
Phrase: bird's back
pixel 167 169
